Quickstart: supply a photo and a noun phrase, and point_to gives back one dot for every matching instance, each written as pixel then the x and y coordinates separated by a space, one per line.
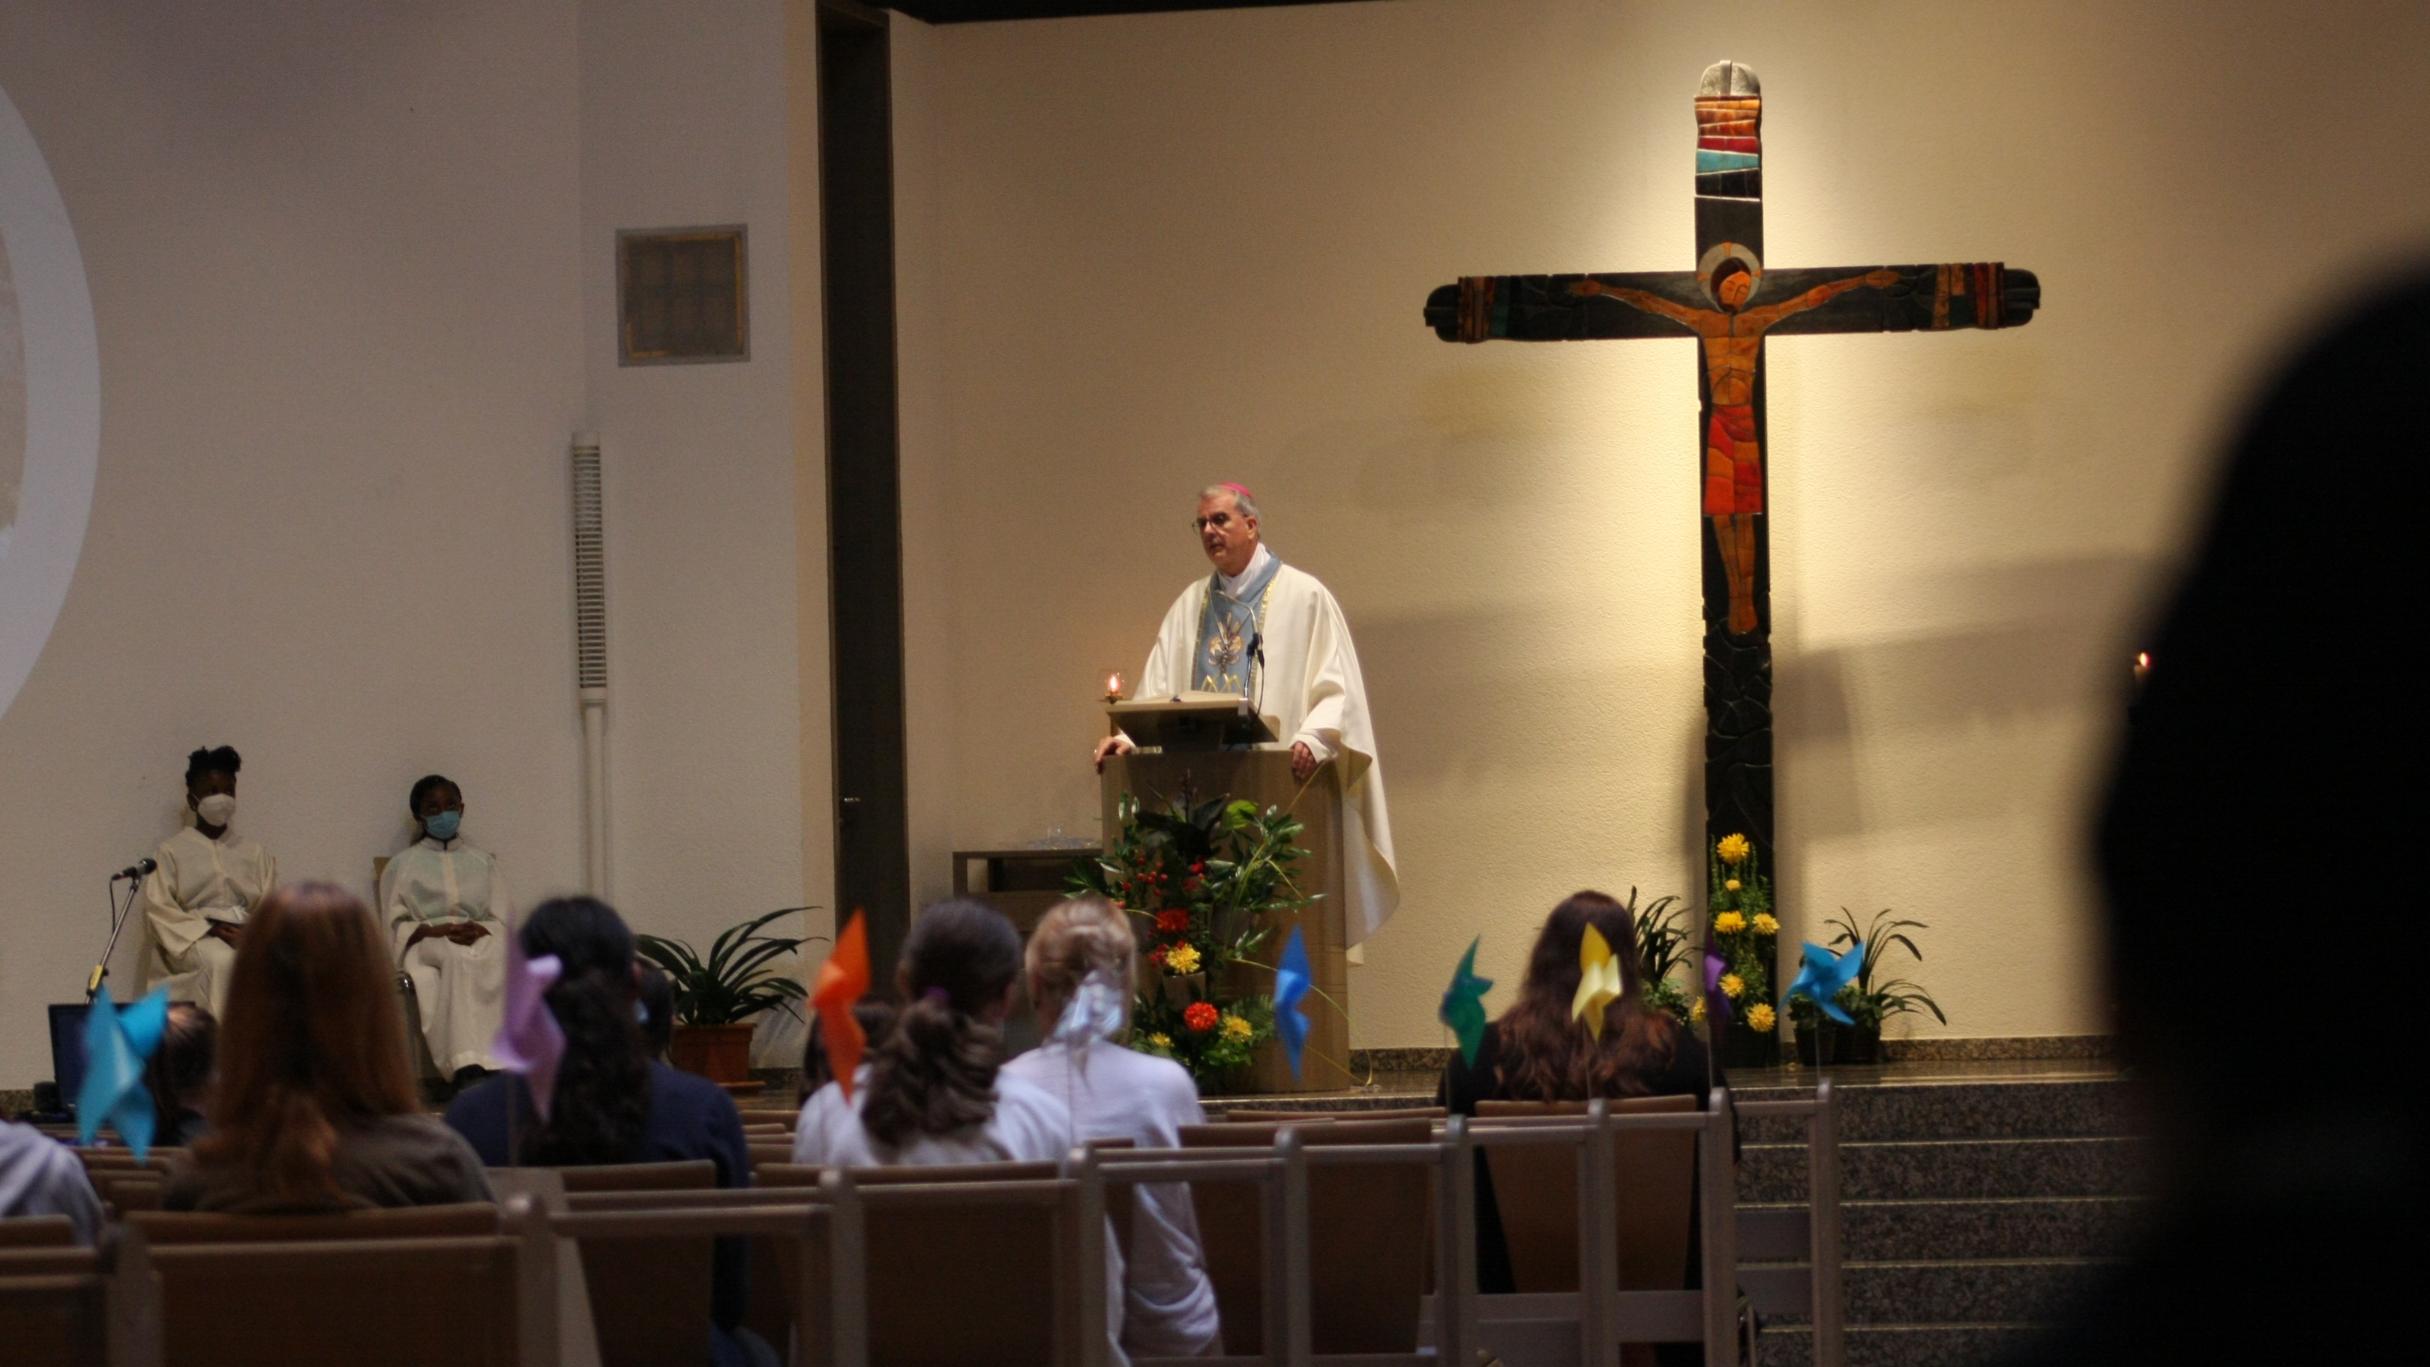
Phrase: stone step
pixel 2008 1109
pixel 1898 1345
pixel 1966 1169
pixel 2011 1227
pixel 1973 1291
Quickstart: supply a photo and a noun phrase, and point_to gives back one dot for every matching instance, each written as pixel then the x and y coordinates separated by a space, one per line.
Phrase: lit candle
pixel 1113 686
pixel 2143 665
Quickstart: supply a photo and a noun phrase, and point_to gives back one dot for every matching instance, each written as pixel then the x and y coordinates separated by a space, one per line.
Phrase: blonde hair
pixel 1079 936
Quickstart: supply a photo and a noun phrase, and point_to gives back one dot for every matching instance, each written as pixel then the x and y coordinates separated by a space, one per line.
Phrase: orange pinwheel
pixel 843 980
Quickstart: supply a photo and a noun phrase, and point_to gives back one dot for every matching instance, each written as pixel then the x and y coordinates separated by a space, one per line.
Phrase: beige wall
pixel 349 272
pixel 1187 247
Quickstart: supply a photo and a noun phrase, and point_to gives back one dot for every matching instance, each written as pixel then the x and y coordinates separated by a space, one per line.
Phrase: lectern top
pixel 1192 722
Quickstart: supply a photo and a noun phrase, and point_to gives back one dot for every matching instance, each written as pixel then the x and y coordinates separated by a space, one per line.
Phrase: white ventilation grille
pixel 590 567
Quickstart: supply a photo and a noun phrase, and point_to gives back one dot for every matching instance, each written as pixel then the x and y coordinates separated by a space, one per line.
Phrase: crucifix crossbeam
pixel 1731 303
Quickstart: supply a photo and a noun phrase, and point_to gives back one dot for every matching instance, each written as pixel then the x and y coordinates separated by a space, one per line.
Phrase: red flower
pixel 1201 1016
pixel 1173 922
pixel 1156 956
pixel 1198 866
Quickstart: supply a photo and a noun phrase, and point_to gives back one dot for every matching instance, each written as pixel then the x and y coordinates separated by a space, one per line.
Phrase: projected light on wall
pixel 50 402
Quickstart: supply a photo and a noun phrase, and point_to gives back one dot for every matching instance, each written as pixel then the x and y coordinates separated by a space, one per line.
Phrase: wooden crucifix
pixel 1730 303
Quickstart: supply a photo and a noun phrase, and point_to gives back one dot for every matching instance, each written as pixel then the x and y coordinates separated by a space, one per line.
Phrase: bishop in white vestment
pixel 447 910
pixel 1264 629
pixel 206 882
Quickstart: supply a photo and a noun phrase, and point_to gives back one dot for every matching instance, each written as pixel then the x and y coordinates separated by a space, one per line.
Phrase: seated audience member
pixel 446 905
pixel 1117 1093
pixel 39 1176
pixel 1538 1052
pixel 932 1090
pixel 613 1103
pixel 207 883
pixel 876 1019
pixel 315 1107
pixel 657 1010
pixel 179 1074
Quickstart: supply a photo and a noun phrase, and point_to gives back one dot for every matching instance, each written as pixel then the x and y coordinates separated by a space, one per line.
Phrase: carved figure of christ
pixel 1731 303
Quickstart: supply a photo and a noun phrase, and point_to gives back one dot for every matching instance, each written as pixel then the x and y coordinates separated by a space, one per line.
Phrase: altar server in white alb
pixel 208 881
pixel 1260 628
pixel 447 907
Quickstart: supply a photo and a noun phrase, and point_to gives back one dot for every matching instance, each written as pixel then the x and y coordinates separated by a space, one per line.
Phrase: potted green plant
pixel 1663 948
pixel 719 996
pixel 1870 999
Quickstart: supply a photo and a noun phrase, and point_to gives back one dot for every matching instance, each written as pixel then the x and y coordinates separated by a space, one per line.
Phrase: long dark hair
pixel 935 1072
pixel 1547 1056
pixel 602 1100
pixel 314 1044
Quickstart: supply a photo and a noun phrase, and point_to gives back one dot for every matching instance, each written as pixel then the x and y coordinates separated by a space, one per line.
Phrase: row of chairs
pixel 1327 1240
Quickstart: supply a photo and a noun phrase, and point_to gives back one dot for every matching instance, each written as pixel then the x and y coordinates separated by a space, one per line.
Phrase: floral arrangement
pixel 1743 930
pixel 1663 950
pixel 1209 880
pixel 1868 999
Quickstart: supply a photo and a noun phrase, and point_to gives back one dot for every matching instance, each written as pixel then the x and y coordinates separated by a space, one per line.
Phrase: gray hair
pixel 1239 496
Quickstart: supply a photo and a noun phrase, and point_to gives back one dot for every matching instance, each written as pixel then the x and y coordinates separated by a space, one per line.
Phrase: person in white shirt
pixel 206 883
pixel 934 1090
pixel 1264 630
pixel 446 906
pixel 1079 965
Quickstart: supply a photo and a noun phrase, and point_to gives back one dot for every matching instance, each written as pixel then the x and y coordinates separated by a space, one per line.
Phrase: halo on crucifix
pixel 1710 263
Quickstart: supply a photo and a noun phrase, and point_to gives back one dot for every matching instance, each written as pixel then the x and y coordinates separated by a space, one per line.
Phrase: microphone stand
pixel 119 916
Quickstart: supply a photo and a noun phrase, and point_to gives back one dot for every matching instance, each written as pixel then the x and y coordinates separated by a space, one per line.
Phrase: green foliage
pixel 1663 949
pixel 1208 881
pixel 733 982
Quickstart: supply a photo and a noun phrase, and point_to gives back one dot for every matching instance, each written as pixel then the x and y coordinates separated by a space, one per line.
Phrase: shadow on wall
pixel 2048 649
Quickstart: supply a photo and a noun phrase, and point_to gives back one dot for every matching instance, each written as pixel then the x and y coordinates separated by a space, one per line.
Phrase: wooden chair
pixel 787 1117
pixel 1537 1191
pixel 1374 1222
pixel 125 1190
pixel 118 1159
pixel 650 1297
pixel 37 1231
pixel 1023 1247
pixel 361 1302
pixel 1253 1116
pixel 166 1227
pixel 769 1155
pixel 53 1306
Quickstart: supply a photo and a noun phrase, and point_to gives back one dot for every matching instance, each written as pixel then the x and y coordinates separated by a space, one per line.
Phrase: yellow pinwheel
pixel 1598 982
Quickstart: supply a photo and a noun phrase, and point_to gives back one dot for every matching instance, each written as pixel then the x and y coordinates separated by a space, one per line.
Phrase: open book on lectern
pixel 1193 721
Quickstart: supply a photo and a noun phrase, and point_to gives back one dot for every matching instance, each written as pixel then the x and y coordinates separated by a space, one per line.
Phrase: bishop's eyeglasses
pixel 1218 521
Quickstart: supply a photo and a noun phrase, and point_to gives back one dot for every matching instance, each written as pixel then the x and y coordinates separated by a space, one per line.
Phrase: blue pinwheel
pixel 1464 1004
pixel 116 1047
pixel 1825 974
pixel 1291 983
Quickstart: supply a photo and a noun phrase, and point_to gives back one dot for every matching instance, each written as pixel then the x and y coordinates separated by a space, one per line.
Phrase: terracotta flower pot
pixel 720 1053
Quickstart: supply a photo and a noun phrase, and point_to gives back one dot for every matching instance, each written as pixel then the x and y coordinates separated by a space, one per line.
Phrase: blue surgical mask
pixel 444 825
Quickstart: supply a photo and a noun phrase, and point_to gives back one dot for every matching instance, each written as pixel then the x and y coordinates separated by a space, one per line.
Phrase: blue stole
pixel 1227 628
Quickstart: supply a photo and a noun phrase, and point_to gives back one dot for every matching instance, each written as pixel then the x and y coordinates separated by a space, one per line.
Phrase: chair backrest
pixel 1254 1116
pixel 52 1307
pixel 1370 1231
pixel 362 1302
pixel 786 1175
pixel 765 1155
pixel 37 1231
pixel 753 1115
pixel 650 1297
pixel 1536 1190
pixel 1012 1267
pixel 685 1176
pixel 125 1190
pixel 404 1222
pixel 155 1159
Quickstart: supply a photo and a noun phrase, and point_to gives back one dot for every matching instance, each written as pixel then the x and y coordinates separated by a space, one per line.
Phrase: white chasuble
pixel 459 990
pixel 200 882
pixel 1311 686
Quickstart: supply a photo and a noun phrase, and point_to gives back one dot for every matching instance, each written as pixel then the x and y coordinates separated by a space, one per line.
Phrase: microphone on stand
pixel 119 916
pixel 138 869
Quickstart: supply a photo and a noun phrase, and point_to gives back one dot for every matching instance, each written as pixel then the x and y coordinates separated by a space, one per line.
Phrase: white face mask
pixel 216 810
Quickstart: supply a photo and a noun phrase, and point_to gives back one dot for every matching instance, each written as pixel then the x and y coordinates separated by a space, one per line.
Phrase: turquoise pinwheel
pixel 1464 1004
pixel 1824 975
pixel 1291 983
pixel 116 1047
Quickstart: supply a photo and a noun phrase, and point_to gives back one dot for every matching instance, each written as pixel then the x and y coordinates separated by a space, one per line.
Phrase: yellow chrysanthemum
pixel 1696 1010
pixel 1766 923
pixel 1730 885
pixel 1732 985
pixel 1237 1027
pixel 1759 1019
pixel 1161 1040
pixel 1729 923
pixel 1181 959
pixel 1733 849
